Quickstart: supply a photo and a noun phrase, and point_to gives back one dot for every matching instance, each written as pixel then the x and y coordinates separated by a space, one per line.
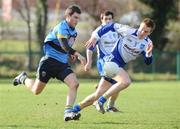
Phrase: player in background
pixel 133 43
pixel 54 64
pixel 103 47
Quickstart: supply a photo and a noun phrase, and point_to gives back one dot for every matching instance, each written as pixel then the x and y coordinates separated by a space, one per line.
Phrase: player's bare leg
pixel 73 84
pixel 102 88
pixel 123 81
pixel 111 104
pixel 35 86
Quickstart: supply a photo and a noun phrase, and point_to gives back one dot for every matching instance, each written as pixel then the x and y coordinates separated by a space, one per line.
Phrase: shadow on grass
pixel 24 126
pixel 113 123
pixel 129 123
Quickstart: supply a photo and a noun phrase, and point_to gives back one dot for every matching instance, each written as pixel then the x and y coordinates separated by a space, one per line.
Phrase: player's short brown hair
pixel 72 9
pixel 149 23
pixel 107 13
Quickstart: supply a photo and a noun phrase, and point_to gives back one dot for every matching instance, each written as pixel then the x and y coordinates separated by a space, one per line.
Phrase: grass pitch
pixel 144 105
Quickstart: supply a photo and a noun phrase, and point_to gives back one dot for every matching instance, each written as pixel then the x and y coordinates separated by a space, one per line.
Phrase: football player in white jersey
pixel 134 42
pixel 104 47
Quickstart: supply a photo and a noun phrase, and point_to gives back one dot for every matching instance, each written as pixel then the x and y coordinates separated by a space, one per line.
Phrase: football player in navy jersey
pixel 131 44
pixel 54 64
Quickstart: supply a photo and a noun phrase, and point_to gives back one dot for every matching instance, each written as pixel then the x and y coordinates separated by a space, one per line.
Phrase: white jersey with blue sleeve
pixel 106 43
pixel 128 47
pixel 104 46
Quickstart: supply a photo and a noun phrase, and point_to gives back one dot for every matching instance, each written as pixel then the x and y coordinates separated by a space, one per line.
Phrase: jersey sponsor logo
pixel 109 42
pixel 132 51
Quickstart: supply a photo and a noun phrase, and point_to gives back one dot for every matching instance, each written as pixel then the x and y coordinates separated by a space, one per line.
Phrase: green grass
pixel 144 105
pixel 17 46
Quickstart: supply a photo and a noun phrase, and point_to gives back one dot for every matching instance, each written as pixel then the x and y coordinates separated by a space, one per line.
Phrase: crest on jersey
pixel 43 73
pixel 142 46
pixel 108 58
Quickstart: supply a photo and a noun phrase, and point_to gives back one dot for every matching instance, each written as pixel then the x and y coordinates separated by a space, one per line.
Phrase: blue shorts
pixel 51 68
pixel 100 64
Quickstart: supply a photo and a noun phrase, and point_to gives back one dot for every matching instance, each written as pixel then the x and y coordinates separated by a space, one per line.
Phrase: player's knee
pixel 74 85
pixel 77 85
pixel 126 83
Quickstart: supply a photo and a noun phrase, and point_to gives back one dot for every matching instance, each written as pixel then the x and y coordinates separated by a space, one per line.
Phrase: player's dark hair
pixel 107 13
pixel 72 9
pixel 149 23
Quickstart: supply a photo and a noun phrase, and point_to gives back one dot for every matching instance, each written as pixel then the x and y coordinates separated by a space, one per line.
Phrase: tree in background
pixel 42 21
pixel 94 7
pixel 24 11
pixel 162 12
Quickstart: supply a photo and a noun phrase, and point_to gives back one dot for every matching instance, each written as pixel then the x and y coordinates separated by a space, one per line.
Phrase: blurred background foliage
pixel 22 35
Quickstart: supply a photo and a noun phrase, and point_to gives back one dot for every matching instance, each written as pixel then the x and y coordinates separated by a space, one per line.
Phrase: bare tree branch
pixel 27 10
pixel 24 11
pixel 20 9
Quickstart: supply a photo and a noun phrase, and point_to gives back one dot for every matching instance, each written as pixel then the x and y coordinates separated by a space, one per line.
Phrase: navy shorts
pixel 110 80
pixel 51 68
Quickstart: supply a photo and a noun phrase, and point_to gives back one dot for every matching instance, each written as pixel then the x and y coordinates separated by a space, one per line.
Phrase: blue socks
pixel 77 108
pixel 68 110
pixel 102 100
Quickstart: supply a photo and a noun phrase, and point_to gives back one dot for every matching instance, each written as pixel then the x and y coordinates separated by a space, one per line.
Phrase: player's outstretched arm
pixel 149 49
pixel 81 58
pixel 88 65
pixel 66 47
pixel 148 54
pixel 91 42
